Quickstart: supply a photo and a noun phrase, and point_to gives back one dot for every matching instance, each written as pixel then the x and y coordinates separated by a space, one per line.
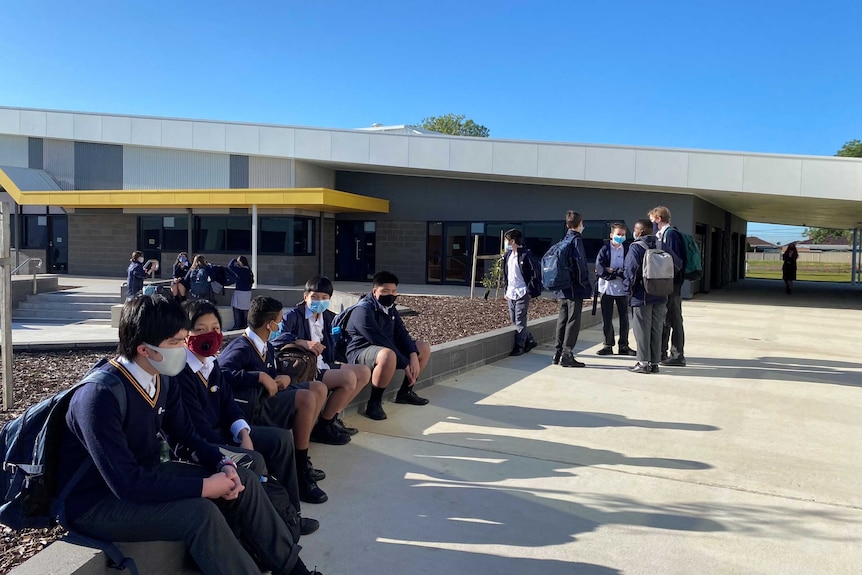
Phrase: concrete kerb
pixel 164 557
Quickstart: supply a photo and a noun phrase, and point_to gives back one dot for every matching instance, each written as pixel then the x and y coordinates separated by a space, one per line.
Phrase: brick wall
pixel 100 245
pixel 286 270
pixel 401 249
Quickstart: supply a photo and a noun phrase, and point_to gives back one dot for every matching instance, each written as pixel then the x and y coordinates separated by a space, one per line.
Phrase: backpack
pixel 297 362
pixel 31 444
pixel 221 276
pixel 693 268
pixel 339 332
pixel 658 271
pixel 199 283
pixel 558 269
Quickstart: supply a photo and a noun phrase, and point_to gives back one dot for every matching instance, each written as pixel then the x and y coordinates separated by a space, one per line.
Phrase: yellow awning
pixel 317 199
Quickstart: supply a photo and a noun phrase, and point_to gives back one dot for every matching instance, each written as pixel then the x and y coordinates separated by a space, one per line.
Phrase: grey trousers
pixel 569 324
pixel 518 309
pixel 673 331
pixel 203 524
pixel 647 324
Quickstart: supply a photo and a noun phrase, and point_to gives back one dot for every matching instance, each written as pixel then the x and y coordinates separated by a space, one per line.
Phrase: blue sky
pixel 761 76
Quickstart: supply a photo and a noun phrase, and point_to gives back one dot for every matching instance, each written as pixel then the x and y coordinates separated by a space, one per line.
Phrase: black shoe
pixel 327 433
pixel 309 492
pixel 640 367
pixel 410 397
pixel 568 360
pixel 316 474
pixel 517 351
pixel 674 361
pixel 607 350
pixel 627 351
pixel 556 359
pixel 339 425
pixel 530 344
pixel 663 358
pixel 307 526
pixel 653 367
pixel 374 411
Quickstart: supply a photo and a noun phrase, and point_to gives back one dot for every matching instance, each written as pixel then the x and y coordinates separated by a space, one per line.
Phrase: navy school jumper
pixel 370 324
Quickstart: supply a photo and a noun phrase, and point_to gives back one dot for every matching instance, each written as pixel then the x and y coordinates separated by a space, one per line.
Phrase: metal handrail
pixel 25 262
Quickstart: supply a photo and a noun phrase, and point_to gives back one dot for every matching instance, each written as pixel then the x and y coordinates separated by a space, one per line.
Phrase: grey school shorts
pixel 368 356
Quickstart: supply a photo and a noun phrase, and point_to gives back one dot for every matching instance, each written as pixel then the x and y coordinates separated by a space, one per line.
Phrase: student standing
pixel 241 299
pixel 522 280
pixel 572 297
pixel 673 334
pixel 788 267
pixel 609 271
pixel 136 274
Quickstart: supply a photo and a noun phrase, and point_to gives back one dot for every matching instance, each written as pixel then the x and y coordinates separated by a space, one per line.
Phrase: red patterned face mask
pixel 206 344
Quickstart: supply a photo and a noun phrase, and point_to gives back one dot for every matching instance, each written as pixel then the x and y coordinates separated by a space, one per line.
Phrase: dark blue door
pixel 354 250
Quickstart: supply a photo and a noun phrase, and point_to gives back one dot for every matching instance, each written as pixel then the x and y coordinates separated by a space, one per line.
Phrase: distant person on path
pixel 241 299
pixel 671 241
pixel 609 271
pixel 788 268
pixel 136 274
pixel 648 311
pixel 179 287
pixel 572 298
pixel 379 340
pixel 522 278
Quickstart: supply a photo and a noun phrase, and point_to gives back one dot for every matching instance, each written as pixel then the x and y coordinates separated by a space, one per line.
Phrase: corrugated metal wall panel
pixel 311 176
pixel 98 166
pixel 58 159
pixel 36 153
pixel 155 168
pixel 239 171
pixel 14 151
pixel 269 172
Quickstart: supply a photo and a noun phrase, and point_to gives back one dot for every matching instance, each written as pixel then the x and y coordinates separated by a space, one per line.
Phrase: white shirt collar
pixel 144 379
pixel 205 367
pixel 258 343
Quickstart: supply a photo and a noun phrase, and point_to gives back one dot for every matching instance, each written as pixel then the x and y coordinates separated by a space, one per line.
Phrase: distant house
pixel 756 244
pixel 841 244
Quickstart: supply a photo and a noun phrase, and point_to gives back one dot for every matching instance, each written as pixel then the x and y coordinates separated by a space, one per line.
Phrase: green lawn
pixel 805 271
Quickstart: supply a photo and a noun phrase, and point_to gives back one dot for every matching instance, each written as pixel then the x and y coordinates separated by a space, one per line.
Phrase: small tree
pixel 826 235
pixel 455 125
pixel 852 149
pixel 492 277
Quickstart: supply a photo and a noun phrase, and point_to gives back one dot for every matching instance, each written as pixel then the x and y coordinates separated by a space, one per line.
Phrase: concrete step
pixel 73 296
pixel 64 305
pixel 61 315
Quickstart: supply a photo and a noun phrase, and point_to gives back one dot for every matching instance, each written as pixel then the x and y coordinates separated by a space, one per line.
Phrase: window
pixel 291 236
pixel 35 231
pixel 175 230
pixel 223 234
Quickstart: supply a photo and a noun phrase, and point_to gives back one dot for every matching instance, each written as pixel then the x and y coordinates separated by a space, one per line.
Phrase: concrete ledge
pixel 22 287
pixel 168 558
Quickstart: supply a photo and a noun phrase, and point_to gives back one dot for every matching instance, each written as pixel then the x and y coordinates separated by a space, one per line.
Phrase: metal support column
pixel 254 244
pixel 854 258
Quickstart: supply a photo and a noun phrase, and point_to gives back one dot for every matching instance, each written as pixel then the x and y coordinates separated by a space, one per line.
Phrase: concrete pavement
pixel 744 462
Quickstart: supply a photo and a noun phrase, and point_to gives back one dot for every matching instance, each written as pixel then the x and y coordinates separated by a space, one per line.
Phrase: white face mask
pixel 140 260
pixel 173 359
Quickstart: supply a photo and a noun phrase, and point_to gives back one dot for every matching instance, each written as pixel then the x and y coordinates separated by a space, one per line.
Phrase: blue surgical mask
pixel 619 239
pixel 276 333
pixel 508 247
pixel 318 305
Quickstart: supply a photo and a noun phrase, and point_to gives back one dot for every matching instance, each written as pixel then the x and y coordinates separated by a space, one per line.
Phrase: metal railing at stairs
pixel 37 264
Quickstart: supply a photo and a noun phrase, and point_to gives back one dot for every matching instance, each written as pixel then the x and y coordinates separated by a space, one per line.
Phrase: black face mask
pixel 387 300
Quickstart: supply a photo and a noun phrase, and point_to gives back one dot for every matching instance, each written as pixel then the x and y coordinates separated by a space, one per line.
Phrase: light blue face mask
pixel 619 239
pixel 318 305
pixel 276 333
pixel 508 247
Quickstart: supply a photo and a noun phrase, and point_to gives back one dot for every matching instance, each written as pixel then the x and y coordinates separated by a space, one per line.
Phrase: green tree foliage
pixel 825 235
pixel 455 125
pixel 852 149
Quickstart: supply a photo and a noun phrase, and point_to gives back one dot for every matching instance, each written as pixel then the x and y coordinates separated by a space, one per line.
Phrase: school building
pixel 88 189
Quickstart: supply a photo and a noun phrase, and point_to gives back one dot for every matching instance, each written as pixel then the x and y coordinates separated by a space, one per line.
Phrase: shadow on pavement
pixel 798 369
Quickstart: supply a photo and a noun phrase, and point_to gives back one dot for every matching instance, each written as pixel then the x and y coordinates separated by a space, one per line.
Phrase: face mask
pixel 173 359
pixel 508 247
pixel 619 239
pixel 276 333
pixel 184 261
pixel 206 344
pixel 140 260
pixel 387 300
pixel 318 305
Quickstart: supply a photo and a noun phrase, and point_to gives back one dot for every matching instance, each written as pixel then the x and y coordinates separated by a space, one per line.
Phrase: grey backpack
pixel 658 271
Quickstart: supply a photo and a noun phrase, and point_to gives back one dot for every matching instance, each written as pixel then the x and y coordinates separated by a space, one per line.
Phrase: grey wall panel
pixel 36 153
pixel 311 176
pixel 159 168
pixel 98 166
pixel 238 172
pixel 270 172
pixel 14 151
pixel 101 244
pixel 59 161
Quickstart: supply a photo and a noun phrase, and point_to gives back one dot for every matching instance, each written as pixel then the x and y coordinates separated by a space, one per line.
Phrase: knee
pixel 363 375
pixel 386 358
pixel 318 388
pixel 304 399
pixel 423 348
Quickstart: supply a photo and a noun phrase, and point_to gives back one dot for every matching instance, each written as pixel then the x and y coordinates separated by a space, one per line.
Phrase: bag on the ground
pixel 340 337
pixel 558 268
pixel 280 499
pixel 199 283
pixel 693 268
pixel 297 362
pixel 658 271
